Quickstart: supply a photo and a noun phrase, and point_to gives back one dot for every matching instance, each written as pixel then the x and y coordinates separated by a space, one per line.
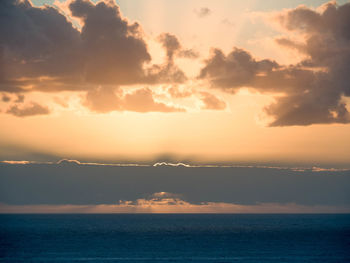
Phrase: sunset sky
pixel 246 102
pixel 230 81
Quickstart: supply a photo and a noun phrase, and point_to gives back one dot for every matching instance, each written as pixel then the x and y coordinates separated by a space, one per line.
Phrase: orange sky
pixel 173 95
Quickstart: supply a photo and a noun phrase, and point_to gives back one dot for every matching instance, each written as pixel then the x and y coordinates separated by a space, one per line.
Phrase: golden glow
pixel 171 206
pixel 237 134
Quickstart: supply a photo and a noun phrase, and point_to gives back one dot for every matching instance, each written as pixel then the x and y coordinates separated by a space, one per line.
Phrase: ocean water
pixel 174 238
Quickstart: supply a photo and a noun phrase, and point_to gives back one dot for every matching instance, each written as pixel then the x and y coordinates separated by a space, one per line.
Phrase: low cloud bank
pixel 74 183
pixel 164 202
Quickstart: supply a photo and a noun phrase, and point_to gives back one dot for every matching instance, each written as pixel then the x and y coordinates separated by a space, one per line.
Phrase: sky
pixel 233 81
pixel 255 83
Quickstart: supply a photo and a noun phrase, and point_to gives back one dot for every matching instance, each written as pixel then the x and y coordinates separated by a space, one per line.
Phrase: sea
pixel 175 238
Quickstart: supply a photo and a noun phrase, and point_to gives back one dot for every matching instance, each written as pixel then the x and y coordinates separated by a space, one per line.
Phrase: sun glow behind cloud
pixel 169 203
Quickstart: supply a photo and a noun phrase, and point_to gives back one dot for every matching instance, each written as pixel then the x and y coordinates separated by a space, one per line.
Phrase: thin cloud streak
pixel 180 164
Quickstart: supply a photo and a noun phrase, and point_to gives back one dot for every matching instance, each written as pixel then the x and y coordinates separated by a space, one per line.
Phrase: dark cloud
pixel 5 98
pixel 188 53
pixel 34 42
pixel 40 49
pixel 236 70
pixel 20 98
pixel 327 41
pixel 107 99
pixel 114 49
pixel 28 110
pixel 173 48
pixel 166 73
pixel 169 72
pixel 327 46
pixel 318 103
pixel 42 42
pixel 290 44
pixel 313 89
pixel 203 12
pixel 15 151
pixel 171 44
pixel 2 65
pixel 86 184
pixel 211 102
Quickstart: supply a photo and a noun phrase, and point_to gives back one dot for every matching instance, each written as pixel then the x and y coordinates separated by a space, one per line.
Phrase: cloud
pixel 142 101
pixel 171 164
pixel 211 102
pixel 20 98
pixel 42 50
pixel 164 202
pixel 32 109
pixel 171 44
pixel 34 43
pixel 176 92
pixel 15 151
pixel 2 65
pixel 311 91
pixel 16 162
pixel 62 102
pixel 320 104
pixel 173 47
pixel 5 98
pixel 114 49
pixel 203 12
pixel 237 69
pixel 227 22
pixel 110 51
pixel 97 184
pixel 103 99
pixel 107 99
pixel 327 46
pixel 108 48
pixel 169 72
pixel 188 53
pixel 283 41
pixel 68 162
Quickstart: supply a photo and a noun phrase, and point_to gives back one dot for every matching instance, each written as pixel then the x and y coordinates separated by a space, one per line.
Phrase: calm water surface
pixel 174 238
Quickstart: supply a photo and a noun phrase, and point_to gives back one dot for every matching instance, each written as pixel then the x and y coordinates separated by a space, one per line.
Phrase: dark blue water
pixel 174 238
